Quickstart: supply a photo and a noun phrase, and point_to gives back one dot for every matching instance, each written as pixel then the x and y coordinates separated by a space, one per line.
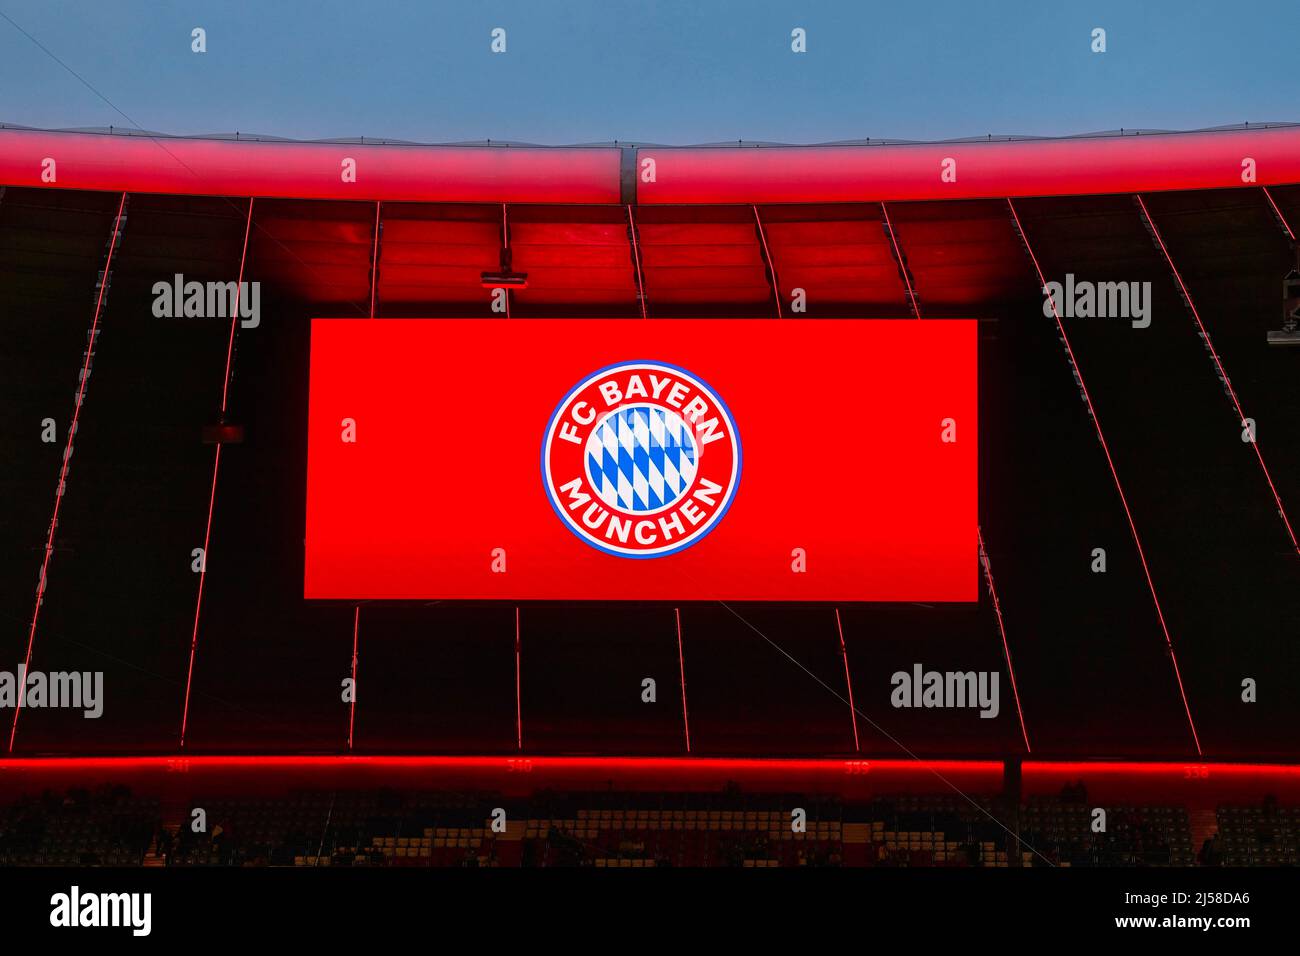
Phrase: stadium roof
pixel 965 169
pixel 727 230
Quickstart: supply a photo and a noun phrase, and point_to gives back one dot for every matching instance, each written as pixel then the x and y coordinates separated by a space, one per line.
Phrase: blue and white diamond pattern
pixel 641 458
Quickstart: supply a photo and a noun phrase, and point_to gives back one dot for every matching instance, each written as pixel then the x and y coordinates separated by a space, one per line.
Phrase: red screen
pixel 683 459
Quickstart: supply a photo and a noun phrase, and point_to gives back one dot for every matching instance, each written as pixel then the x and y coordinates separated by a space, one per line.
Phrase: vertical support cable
pixel 505 245
pixel 352 711
pixel 519 704
pixel 1110 463
pixel 374 260
pixel 216 467
pixel 1218 365
pixel 848 680
pixel 767 261
pixel 61 487
pixel 1278 213
pixel 681 668
pixel 234 319
pixel 902 263
pixel 636 258
pixel 356 617
pixel 987 565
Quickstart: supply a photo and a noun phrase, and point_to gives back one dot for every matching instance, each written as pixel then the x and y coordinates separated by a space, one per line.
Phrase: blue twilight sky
pixel 668 72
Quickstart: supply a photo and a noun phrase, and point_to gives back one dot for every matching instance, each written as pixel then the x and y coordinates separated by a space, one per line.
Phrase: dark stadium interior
pixel 444 812
pixel 1090 662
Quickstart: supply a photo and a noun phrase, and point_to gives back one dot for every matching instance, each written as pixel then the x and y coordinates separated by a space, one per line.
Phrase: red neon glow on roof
pixel 196 167
pixel 739 174
pixel 1123 164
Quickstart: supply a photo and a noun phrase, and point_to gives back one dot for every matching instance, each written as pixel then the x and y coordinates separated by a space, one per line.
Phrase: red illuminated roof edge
pixel 833 765
pixel 687 175
pixel 976 170
pixel 340 171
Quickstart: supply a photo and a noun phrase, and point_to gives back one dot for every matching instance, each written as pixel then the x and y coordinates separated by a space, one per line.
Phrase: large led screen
pixel 684 459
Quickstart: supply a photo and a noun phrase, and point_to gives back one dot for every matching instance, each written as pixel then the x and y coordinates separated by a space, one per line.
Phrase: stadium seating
pixel 113 827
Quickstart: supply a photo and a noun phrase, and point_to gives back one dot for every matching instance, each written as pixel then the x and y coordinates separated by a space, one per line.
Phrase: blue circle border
pixel 731 420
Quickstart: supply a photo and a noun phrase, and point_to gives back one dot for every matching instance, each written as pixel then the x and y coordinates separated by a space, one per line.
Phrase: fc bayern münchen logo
pixel 641 459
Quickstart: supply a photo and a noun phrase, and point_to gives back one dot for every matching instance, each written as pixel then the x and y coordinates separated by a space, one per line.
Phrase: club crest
pixel 641 459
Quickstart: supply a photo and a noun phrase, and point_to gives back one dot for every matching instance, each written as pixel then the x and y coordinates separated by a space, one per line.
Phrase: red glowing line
pixel 234 319
pixel 505 244
pixel 67 455
pixel 212 493
pixel 681 666
pixel 519 705
pixel 198 601
pixel 1006 648
pixel 771 266
pixel 911 295
pixel 352 711
pixel 1232 393
pixel 844 652
pixel 636 256
pixel 1281 218
pixel 1146 570
pixel 374 261
pixel 984 561
pixel 1155 768
pixel 698 765
pixel 703 765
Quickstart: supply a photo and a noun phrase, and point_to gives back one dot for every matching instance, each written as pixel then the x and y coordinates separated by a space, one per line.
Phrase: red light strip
pixel 67 456
pixel 837 767
pixel 636 257
pixel 902 266
pixel 1121 767
pixel 703 765
pixel 771 266
pixel 1223 374
pixel 352 711
pixel 844 652
pixel 1006 648
pixel 216 467
pixel 519 705
pixel 1137 541
pixel 1281 218
pixel 681 665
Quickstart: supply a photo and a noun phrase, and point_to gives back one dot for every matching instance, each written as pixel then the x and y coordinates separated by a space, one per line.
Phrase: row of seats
pixel 610 829
pixel 109 827
pixel 1066 834
pixel 1266 835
